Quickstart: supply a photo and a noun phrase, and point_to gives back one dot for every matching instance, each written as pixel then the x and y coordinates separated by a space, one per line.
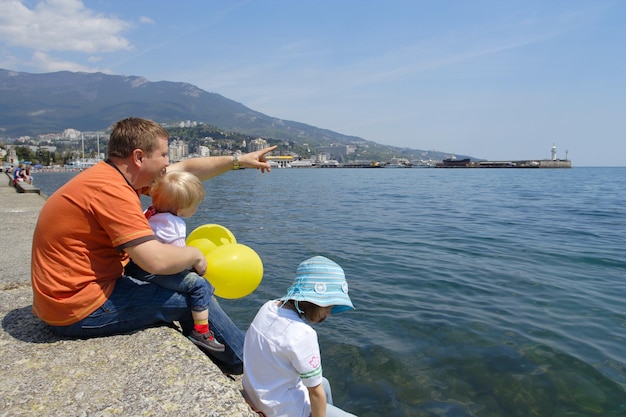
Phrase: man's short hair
pixel 135 133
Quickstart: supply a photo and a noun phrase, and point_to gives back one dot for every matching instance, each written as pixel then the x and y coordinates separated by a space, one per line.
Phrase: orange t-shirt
pixel 79 242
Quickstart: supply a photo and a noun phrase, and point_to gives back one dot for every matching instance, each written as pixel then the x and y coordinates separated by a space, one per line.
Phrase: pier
pixel 151 372
pixel 554 162
pixel 531 163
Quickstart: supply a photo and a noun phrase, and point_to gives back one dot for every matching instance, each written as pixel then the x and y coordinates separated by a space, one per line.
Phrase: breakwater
pixel 156 371
pixel 527 163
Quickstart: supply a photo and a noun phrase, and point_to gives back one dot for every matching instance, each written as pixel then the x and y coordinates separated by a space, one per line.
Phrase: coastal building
pixel 336 151
pixel 279 161
pixel 178 150
pixel 257 145
pixel 71 134
pixel 11 156
pixel 204 150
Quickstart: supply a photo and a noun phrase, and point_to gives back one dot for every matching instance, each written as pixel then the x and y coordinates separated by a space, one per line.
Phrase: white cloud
pixel 60 25
pixel 146 20
pixel 48 63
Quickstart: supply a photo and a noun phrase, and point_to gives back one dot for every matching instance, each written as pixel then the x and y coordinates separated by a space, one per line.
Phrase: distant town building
pixel 12 155
pixel 204 150
pixel 187 123
pixel 71 134
pixel 257 145
pixel 178 150
pixel 50 149
pixel 337 151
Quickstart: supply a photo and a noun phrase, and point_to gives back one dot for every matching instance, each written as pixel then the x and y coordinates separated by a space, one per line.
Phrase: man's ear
pixel 138 156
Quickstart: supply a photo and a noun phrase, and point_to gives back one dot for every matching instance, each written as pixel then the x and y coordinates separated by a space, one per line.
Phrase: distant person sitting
pixel 176 195
pixel 282 361
pixel 27 175
pixel 18 174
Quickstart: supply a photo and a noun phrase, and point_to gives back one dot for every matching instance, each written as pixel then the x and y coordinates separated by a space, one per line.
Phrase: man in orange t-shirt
pixel 90 224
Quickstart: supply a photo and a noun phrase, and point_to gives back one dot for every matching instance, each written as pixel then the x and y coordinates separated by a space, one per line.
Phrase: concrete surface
pixel 153 372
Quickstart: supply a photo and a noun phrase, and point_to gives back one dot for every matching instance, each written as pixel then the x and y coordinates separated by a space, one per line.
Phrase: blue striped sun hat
pixel 322 282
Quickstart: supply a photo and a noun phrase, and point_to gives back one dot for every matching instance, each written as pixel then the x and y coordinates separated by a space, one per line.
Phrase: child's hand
pixel 201 264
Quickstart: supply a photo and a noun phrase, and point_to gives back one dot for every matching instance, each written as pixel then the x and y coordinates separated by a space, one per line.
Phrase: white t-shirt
pixel 281 358
pixel 168 228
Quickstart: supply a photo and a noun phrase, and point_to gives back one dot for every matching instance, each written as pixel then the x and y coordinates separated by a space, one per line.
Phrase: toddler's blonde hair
pixel 175 191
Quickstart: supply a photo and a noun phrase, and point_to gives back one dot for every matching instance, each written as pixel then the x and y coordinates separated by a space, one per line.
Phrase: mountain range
pixel 32 104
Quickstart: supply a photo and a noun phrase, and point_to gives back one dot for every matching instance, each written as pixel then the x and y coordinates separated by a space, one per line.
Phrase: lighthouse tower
pixel 554 152
pixel 12 156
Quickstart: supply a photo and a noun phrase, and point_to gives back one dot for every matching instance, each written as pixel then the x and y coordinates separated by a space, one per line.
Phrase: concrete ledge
pixel 153 372
pixel 23 187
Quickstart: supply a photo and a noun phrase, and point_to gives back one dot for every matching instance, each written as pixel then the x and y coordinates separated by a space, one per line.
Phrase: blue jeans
pixel 198 288
pixel 136 305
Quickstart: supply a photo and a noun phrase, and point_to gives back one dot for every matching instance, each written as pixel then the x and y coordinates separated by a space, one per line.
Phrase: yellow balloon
pixel 216 234
pixel 204 245
pixel 235 270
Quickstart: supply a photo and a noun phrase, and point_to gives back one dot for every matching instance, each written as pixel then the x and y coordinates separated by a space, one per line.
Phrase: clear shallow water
pixel 478 292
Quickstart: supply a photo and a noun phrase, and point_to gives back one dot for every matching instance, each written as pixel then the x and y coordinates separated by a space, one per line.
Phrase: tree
pixel 24 153
pixel 44 157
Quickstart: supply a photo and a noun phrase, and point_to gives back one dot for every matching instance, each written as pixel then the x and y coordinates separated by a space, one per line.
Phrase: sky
pixel 492 79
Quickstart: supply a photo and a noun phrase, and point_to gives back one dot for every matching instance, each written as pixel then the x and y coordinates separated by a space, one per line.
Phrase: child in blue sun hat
pixel 282 360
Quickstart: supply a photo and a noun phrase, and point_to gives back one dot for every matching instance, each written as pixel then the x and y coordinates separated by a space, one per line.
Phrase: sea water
pixel 478 292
